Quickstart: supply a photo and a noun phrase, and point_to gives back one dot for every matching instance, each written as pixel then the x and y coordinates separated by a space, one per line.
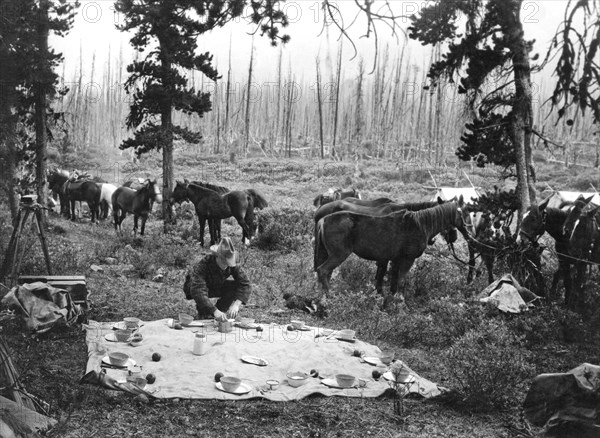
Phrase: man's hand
pixel 220 316
pixel 234 309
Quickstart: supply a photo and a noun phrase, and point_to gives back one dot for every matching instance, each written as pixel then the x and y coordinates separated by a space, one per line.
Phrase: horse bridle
pixel 539 230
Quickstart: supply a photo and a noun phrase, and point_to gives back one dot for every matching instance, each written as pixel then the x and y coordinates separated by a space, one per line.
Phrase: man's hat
pixel 225 251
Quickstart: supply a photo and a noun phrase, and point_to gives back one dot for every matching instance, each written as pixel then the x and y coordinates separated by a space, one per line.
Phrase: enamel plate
pixel 242 389
pixel 254 360
pixel 332 383
pixel 130 362
pixel 373 361
pixel 389 376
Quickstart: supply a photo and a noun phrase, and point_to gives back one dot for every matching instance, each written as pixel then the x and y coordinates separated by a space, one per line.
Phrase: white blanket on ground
pixel 181 374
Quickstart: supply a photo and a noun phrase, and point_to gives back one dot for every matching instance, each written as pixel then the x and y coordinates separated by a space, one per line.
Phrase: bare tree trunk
pixel 247 120
pixel 337 99
pixel 320 106
pixel 7 123
pixel 41 137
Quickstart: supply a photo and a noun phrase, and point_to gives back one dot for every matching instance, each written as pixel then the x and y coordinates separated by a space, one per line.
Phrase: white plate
pixel 244 388
pixel 195 323
pixel 254 360
pixel 389 376
pixel 374 361
pixel 121 326
pixel 130 362
pixel 111 337
pixel 332 383
pixel 339 338
pixel 304 328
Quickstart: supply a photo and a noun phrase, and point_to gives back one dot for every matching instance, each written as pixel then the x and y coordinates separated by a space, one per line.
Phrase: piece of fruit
pixel 218 376
pixel 291 328
pixel 150 378
pixel 314 373
pixel 376 374
pixel 357 353
pixel 156 357
pixel 259 329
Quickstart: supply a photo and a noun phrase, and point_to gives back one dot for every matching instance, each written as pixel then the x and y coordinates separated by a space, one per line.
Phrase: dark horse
pixel 539 219
pixel 210 205
pixel 215 223
pixel 335 195
pixel 400 237
pixel 581 228
pixel 87 191
pixel 138 202
pixel 380 209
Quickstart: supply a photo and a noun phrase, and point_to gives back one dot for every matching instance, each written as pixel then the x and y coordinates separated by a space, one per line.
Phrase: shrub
pixel 489 364
pixel 285 229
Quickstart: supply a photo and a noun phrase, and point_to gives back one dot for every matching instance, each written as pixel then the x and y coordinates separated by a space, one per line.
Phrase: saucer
pixel 304 328
pixel 121 326
pixel 332 383
pixel 111 337
pixel 339 338
pixel 374 361
pixel 195 323
pixel 254 361
pixel 130 362
pixel 390 377
pixel 244 388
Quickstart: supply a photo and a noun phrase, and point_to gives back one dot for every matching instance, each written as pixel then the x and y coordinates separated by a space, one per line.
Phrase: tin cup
pixel 200 344
pixel 226 327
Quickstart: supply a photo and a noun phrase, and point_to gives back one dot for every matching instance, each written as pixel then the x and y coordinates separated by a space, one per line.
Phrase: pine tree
pixel 167 31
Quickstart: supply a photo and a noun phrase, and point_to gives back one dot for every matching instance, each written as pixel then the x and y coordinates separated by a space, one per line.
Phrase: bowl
pixel 297 324
pixel 185 319
pixel 297 378
pixel 118 359
pixel 123 335
pixel 386 357
pixel 346 334
pixel 139 381
pixel 345 380
pixel 131 322
pixel 272 384
pixel 230 384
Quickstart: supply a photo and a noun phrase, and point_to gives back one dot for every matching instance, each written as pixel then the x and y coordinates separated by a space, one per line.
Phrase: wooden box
pixel 75 285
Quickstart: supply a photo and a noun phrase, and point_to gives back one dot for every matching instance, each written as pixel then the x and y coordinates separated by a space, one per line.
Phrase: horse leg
pixel 326 268
pixel 212 231
pixel 202 222
pixel 144 217
pixel 400 268
pixel 116 220
pixel 135 224
pixel 471 263
pixel 245 230
pixel 489 264
pixel 381 270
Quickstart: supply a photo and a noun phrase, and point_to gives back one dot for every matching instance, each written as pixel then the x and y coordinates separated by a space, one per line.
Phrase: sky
pixel 94 34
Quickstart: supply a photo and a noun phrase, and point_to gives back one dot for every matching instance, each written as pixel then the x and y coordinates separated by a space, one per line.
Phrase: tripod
pixel 14 253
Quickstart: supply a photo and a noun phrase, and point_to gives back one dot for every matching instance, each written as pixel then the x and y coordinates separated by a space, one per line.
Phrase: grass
pixel 439 325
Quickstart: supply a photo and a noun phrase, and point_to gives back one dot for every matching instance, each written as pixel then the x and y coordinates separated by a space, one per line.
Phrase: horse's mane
pixel 417 206
pixel 219 189
pixel 433 220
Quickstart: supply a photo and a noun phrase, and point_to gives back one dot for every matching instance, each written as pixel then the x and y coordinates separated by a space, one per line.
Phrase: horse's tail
pixel 259 201
pixel 320 252
pixel 317 200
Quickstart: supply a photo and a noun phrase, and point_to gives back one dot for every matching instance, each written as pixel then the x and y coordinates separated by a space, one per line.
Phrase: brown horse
pixel 210 205
pixel 540 219
pixel 138 202
pixel 87 191
pixel 400 237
